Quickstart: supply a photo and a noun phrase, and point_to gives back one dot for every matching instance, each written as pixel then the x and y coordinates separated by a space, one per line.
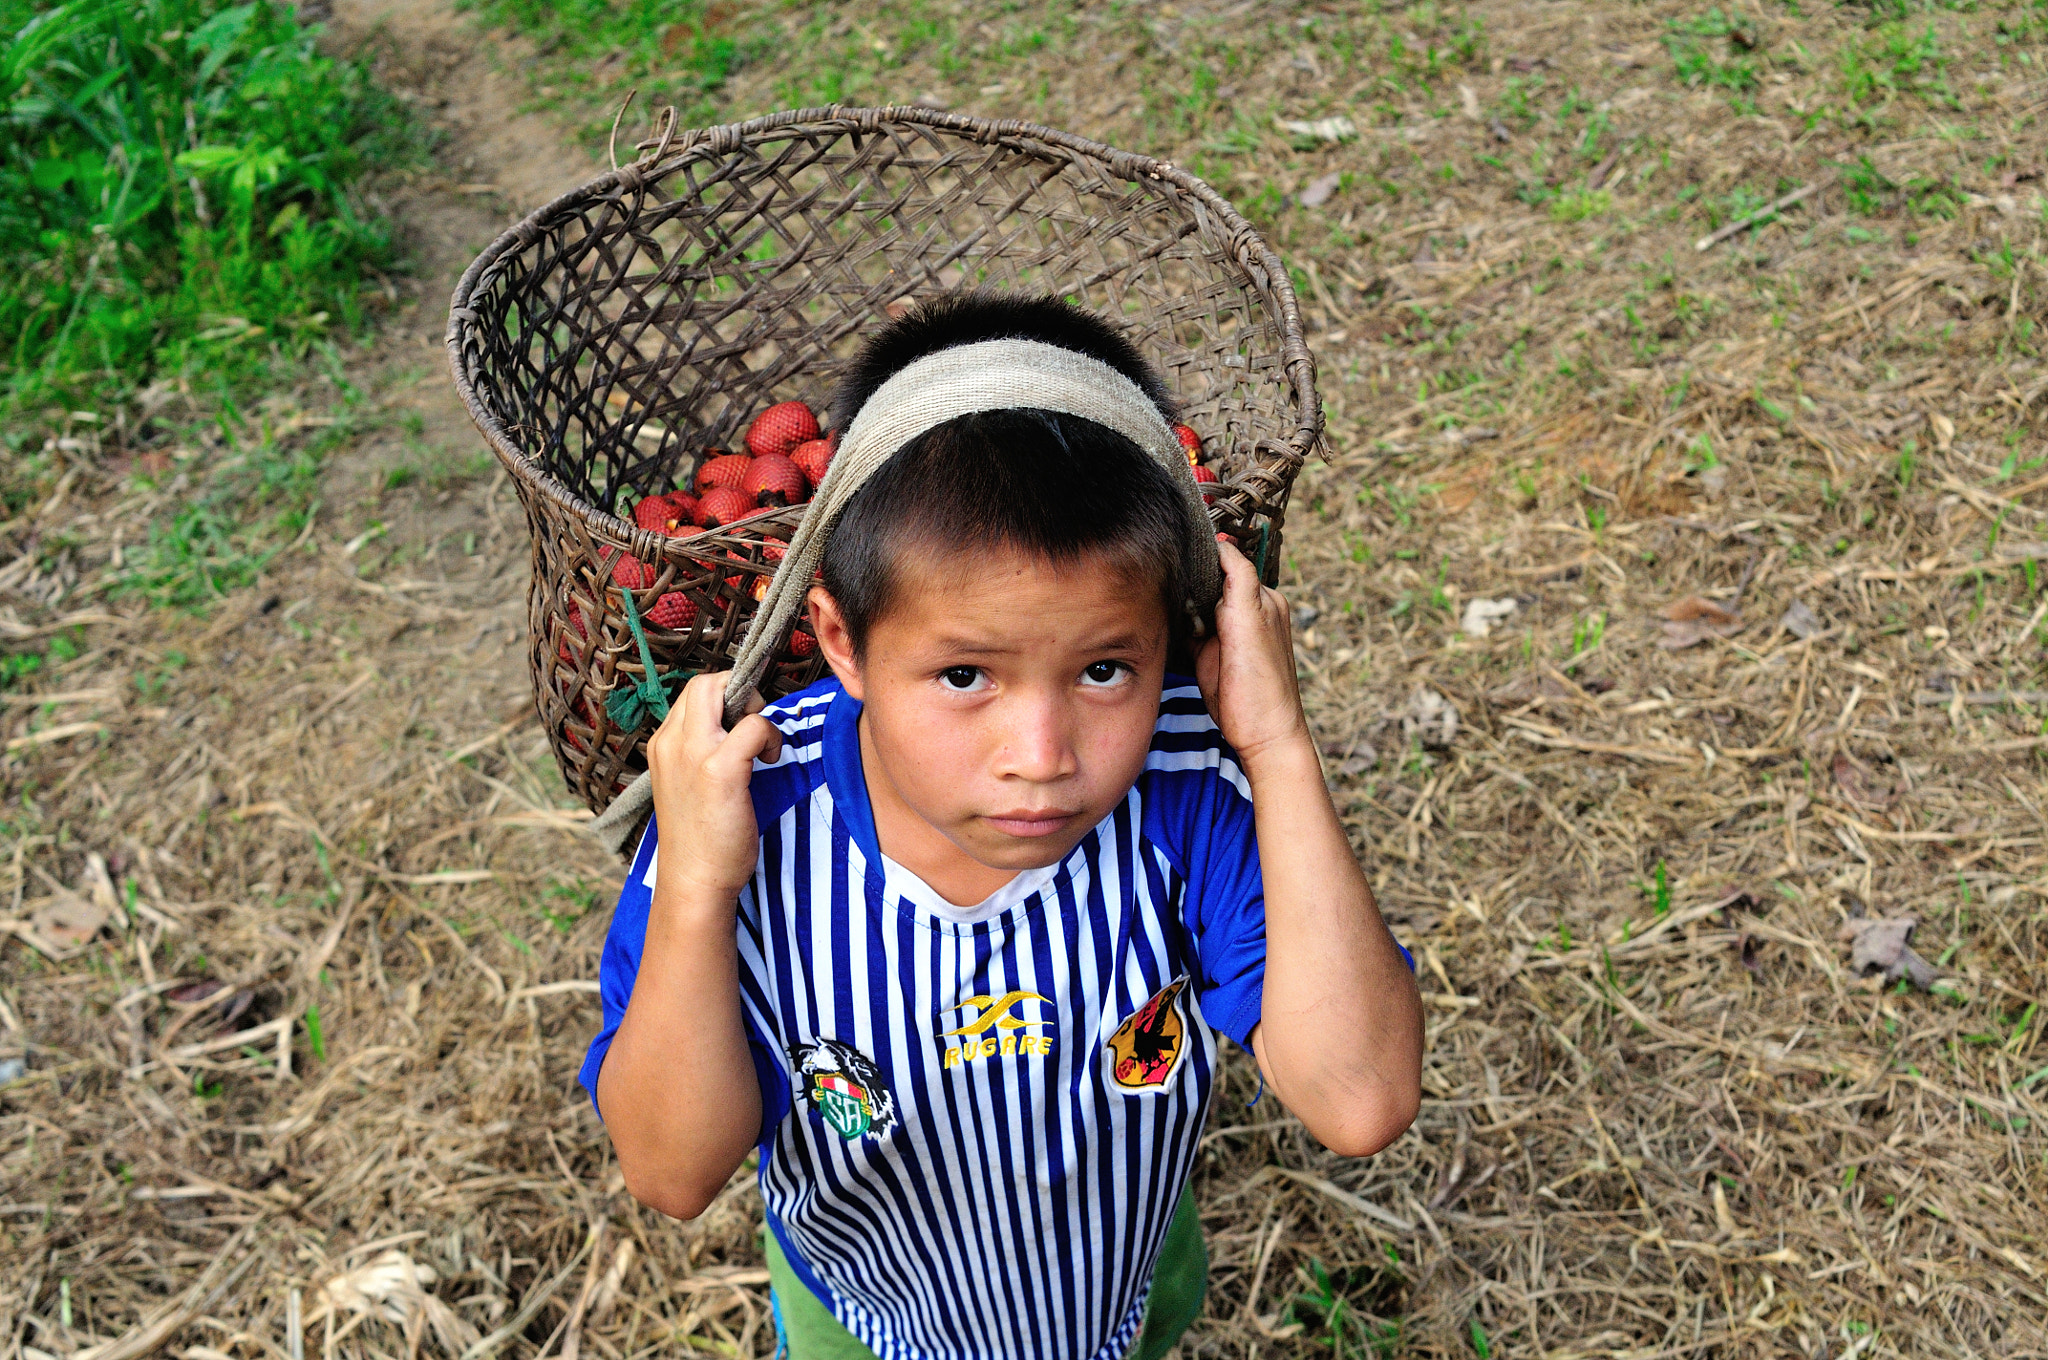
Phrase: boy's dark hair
pixel 1040 482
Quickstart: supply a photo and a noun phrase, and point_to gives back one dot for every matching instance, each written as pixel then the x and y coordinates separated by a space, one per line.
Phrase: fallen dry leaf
pixel 1695 619
pixel 1800 621
pixel 68 920
pixel 1699 608
pixel 393 1286
pixel 1337 129
pixel 1749 945
pixel 1482 615
pixel 1880 943
pixel 1429 718
pixel 1319 190
pixel 1855 782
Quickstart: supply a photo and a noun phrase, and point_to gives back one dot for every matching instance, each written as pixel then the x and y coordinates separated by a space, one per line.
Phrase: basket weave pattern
pixel 607 341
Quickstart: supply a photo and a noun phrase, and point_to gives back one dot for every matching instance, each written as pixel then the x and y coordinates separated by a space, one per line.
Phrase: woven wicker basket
pixel 606 342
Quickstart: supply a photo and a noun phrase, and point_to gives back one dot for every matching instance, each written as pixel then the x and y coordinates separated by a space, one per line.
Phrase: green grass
pixel 1895 60
pixel 177 199
pixel 1715 49
pixel 182 225
pixel 688 45
pixel 252 497
pixel 1343 1310
pixel 1576 205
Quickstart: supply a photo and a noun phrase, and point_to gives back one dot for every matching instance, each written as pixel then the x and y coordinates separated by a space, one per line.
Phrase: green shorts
pixel 808 1330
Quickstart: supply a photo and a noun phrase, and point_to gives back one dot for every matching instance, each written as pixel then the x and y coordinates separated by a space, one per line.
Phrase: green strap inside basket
pixel 629 705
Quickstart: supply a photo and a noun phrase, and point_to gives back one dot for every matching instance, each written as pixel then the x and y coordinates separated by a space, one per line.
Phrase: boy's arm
pixel 678 1090
pixel 1340 1030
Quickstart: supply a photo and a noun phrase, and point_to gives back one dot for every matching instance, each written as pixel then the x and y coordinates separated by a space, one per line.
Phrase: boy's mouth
pixel 1030 821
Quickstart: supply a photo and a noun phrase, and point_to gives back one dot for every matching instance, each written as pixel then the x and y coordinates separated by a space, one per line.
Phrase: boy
pixel 948 938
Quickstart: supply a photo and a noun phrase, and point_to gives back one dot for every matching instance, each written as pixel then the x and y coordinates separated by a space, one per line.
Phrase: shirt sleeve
pixel 1201 813
pixel 619 968
pixel 619 965
pixel 1199 809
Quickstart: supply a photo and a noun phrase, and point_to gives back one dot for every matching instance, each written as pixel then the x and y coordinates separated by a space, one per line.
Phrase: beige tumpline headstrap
pixel 990 375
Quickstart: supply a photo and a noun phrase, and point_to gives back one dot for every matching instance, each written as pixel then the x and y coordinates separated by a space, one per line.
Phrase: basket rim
pixel 1252 252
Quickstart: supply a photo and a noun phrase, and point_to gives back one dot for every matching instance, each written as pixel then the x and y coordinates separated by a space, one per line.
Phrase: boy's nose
pixel 1037 744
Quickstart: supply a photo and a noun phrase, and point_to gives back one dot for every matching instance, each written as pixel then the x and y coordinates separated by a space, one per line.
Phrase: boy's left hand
pixel 1246 670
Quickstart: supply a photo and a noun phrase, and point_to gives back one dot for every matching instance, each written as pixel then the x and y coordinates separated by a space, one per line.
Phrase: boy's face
pixel 1009 704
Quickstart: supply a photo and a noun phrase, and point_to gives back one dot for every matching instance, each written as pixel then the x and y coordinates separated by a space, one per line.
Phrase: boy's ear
pixel 835 640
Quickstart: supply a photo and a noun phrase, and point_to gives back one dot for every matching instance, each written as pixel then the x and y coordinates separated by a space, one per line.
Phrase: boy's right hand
pixel 709 842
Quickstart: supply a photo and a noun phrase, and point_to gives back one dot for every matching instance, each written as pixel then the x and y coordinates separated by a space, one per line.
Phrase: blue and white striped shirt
pixel 974 1134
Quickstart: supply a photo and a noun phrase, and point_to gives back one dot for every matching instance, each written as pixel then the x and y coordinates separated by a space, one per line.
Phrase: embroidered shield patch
pixel 1146 1050
pixel 846 1088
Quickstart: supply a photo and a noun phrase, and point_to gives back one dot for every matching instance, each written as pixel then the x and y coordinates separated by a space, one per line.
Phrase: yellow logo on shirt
pixel 995 1012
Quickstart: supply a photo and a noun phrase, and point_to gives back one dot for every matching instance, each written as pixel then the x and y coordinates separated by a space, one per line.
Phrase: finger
pixel 704 705
pixel 752 738
pixel 1240 579
pixel 1236 566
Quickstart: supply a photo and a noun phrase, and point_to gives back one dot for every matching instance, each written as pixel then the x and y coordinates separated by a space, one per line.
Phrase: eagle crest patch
pixel 846 1088
pixel 1146 1051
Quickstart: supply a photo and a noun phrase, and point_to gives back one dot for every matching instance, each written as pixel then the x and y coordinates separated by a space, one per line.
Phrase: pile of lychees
pixel 786 459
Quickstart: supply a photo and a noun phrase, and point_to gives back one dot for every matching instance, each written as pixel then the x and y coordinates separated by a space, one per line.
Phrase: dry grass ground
pixel 1663 1115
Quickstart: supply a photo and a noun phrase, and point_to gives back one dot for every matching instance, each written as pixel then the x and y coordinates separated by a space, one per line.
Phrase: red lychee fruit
pixel 780 428
pixel 581 711
pixel 1203 473
pixel 652 512
pixel 802 644
pixel 1189 441
pixel 813 457
pixel 722 505
pixel 673 611
pixel 728 470
pixel 630 573
pixel 775 480
pixel 564 650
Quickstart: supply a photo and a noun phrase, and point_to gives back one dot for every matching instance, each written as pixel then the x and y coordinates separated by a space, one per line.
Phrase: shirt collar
pixel 843 775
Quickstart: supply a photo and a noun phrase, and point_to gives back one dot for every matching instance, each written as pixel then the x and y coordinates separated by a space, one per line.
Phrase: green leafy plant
pixel 1895 60
pixel 1865 187
pixel 178 199
pixel 1576 205
pixel 1587 632
pixel 1658 890
pixel 1741 202
pixel 1327 1309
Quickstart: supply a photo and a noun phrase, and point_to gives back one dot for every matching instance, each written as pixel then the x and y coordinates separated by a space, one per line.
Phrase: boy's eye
pixel 1104 672
pixel 961 679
